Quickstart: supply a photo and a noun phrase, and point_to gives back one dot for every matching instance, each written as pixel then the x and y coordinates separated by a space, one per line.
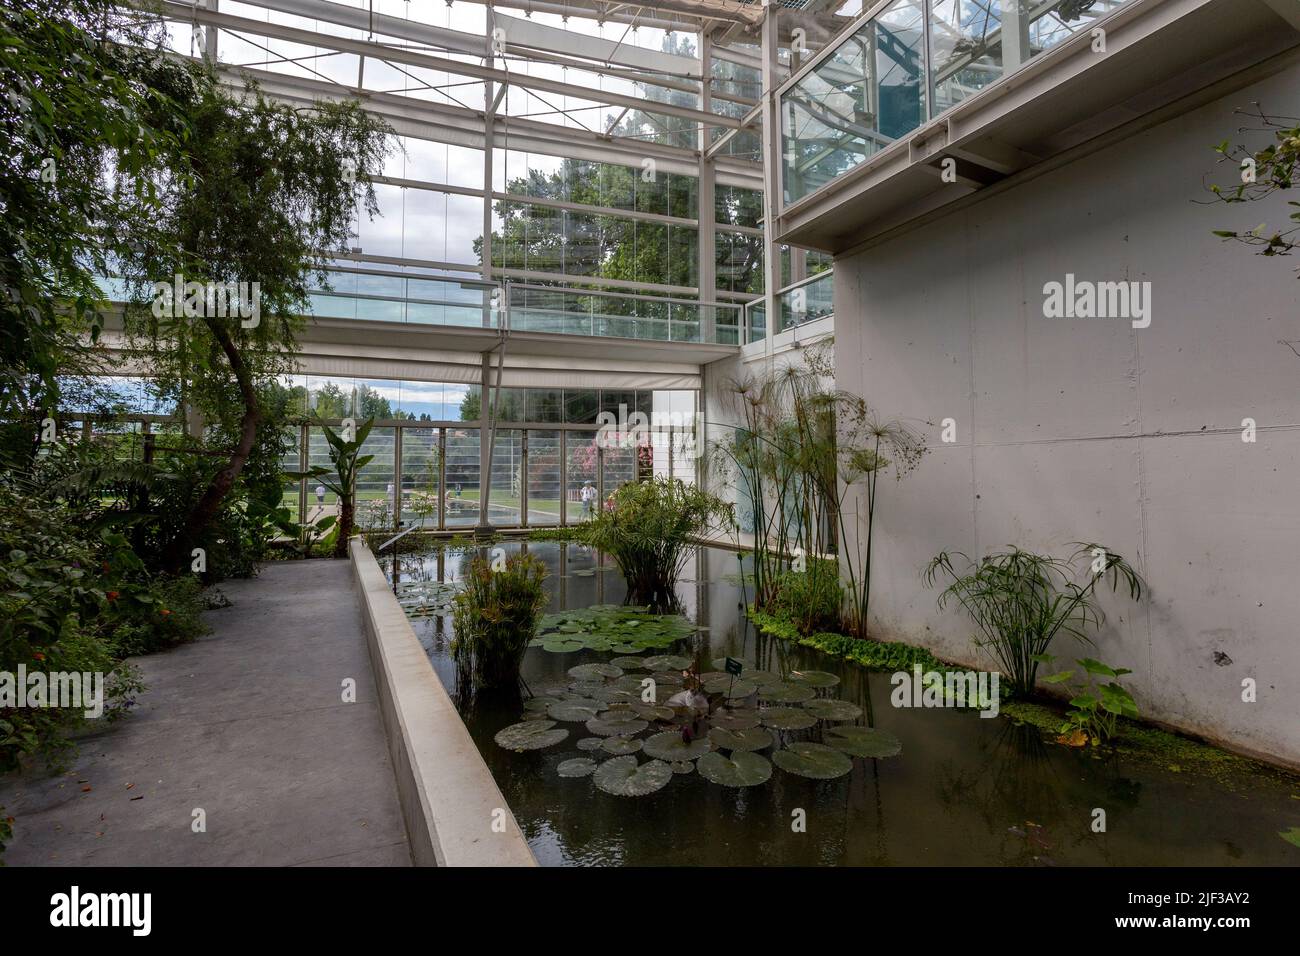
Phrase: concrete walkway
pixel 246 724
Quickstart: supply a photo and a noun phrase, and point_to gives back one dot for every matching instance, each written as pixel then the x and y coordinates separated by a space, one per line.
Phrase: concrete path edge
pixel 455 814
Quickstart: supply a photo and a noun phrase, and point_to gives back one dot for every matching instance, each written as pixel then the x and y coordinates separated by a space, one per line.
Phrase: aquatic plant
pixel 341 480
pixel 1095 709
pixel 1021 601
pixel 495 616
pixel 624 777
pixel 610 627
pixel 649 530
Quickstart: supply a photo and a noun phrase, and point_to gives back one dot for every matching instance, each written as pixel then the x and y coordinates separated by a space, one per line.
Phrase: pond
pixel 963 790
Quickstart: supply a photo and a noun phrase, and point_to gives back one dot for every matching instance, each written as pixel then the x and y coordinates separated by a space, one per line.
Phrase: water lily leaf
pixel 828 709
pixel 762 678
pixel 577 767
pixel 743 769
pixel 624 777
pixel 613 695
pixel 629 663
pixel 669 746
pixel 530 735
pixel 667 662
pixel 682 766
pixel 863 741
pixel 787 718
pixel 812 760
pixel 736 719
pixel 590 743
pixel 787 693
pixel 595 671
pixel 540 702
pixel 574 711
pixel 620 746
pixel 731 688
pixel 563 647
pixel 652 711
pixel 814 678
pixel 755 738
pixel 616 726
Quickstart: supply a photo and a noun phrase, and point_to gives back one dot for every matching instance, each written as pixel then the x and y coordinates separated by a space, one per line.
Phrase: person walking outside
pixel 588 495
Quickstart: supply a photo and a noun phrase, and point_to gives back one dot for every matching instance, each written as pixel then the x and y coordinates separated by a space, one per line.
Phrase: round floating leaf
pixel 577 767
pixel 682 766
pixel 669 746
pixel 667 662
pixel 755 738
pixel 530 735
pixel 629 663
pixel 814 678
pixel 812 760
pixel 586 688
pixel 828 709
pixel 551 690
pixel 534 715
pixel 732 689
pixel 540 702
pixel 787 693
pixel 762 678
pixel 574 711
pixel 620 746
pixel 788 718
pixel 627 649
pixel 616 726
pixel 743 769
pixel 612 695
pixel 595 671
pixel 864 741
pixel 652 711
pixel 590 743
pixel 624 777
pixel 736 719
pixel 563 647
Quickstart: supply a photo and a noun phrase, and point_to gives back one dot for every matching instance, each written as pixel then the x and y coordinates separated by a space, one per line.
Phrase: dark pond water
pixel 965 790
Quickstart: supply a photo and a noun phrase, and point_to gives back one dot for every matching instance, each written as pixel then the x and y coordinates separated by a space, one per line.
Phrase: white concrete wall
pixel 1089 429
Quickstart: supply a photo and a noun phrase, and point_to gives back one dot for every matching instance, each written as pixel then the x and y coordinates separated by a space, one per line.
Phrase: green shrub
pixel 648 532
pixel 495 616
pixel 157 616
pixel 812 598
pixel 1095 708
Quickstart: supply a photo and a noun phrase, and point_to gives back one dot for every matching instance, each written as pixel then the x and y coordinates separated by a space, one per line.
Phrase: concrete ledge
pixel 449 799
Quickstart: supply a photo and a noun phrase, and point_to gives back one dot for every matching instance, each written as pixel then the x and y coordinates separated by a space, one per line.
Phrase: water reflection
pixel 964 791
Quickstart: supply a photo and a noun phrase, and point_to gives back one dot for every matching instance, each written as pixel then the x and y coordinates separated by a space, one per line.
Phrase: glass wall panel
pixel 581 405
pixel 376 492
pixel 618 466
pixel 543 477
pixel 321 503
pixel 506 487
pixel 580 472
pixel 291 460
pixel 421 464
pixel 462 482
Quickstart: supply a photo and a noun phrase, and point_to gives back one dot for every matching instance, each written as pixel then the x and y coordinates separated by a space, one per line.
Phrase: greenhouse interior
pixel 574 433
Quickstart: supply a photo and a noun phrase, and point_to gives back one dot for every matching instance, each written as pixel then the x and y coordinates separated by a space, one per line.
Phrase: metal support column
pixel 771 170
pixel 707 215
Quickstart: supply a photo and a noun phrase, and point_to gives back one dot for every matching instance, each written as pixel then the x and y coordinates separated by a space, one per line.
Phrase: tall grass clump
pixel 495 616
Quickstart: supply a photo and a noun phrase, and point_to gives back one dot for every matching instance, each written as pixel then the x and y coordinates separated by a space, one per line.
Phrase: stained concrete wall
pixel 1089 429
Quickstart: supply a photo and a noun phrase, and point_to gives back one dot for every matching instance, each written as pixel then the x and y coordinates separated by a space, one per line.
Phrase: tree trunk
pixel 177 554
pixel 347 517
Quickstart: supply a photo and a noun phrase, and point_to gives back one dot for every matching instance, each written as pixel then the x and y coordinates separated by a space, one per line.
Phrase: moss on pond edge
pixel 1171 751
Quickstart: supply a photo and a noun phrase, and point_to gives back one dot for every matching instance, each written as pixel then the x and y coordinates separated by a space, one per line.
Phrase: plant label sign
pixel 734 667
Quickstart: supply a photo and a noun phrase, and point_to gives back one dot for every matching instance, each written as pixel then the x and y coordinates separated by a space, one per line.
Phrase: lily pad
pixel 743 769
pixel 541 702
pixel 629 663
pixel 563 647
pixel 574 711
pixel 787 718
pixel 616 726
pixel 530 735
pixel 590 743
pixel 595 671
pixel 755 738
pixel 624 777
pixel 667 662
pixel 864 741
pixel 812 760
pixel 620 746
pixel 830 709
pixel 787 693
pixel 732 689
pixel 814 678
pixel 577 767
pixel 652 711
pixel 682 766
pixel 669 746
pixel 736 719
